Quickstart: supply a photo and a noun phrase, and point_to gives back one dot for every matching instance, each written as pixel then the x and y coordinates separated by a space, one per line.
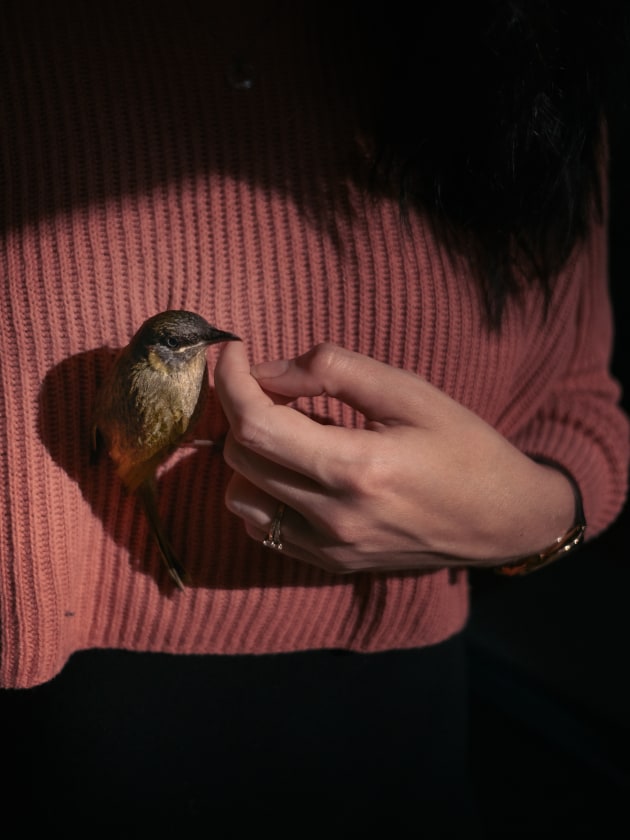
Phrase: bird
pixel 148 404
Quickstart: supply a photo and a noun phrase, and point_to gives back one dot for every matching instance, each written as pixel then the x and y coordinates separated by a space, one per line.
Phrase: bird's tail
pixel 147 494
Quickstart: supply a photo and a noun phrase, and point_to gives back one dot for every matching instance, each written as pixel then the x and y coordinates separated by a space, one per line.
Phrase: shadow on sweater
pixel 123 98
pixel 65 407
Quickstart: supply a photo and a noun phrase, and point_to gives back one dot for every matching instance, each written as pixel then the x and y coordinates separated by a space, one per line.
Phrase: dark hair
pixel 491 118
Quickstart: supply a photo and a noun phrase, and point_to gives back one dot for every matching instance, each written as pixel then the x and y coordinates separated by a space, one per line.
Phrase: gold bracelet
pixel 562 546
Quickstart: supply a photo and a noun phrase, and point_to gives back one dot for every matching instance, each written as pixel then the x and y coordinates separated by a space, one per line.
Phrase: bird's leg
pixel 146 493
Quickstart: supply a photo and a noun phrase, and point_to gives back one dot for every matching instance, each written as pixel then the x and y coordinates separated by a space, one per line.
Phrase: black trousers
pixel 323 743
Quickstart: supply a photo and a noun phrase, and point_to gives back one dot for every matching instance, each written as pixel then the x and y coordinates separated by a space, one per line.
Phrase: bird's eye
pixel 172 342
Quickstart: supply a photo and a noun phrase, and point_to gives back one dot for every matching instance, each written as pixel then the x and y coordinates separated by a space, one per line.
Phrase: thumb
pixel 380 392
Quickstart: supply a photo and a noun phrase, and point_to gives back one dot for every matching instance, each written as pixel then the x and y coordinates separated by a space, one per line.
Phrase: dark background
pixel 549 652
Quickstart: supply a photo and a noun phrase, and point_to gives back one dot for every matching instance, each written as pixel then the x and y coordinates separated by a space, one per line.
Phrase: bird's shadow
pixel 187 489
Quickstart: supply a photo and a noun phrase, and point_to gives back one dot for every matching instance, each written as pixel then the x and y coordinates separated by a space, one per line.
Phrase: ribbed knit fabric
pixel 136 179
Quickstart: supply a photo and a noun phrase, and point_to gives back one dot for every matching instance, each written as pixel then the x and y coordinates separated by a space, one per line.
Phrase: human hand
pixel 425 484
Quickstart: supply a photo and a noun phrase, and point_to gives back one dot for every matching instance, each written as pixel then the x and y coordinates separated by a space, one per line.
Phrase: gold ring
pixel 274 538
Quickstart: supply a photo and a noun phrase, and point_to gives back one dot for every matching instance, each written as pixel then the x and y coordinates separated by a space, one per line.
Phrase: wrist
pixel 569 538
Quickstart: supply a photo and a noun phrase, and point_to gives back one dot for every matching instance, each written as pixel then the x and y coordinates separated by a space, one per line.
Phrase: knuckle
pixel 343 529
pixel 364 478
pixel 323 358
pixel 247 431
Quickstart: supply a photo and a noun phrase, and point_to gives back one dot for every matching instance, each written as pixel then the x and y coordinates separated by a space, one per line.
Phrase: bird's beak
pixel 214 336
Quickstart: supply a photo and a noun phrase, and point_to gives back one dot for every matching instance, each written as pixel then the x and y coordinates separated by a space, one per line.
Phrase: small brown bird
pixel 150 402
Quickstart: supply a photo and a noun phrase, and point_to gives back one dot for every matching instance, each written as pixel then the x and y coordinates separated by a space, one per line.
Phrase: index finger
pixel 277 432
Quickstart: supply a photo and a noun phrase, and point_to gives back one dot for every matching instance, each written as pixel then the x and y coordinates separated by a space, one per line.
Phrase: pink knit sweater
pixel 137 179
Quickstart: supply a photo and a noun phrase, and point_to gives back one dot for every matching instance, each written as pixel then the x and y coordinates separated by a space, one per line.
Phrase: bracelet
pixel 562 546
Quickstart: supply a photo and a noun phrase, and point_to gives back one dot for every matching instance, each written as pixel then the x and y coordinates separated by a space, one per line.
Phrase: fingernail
pixel 269 370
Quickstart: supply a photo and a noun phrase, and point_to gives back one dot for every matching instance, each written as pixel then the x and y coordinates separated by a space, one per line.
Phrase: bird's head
pixel 174 338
